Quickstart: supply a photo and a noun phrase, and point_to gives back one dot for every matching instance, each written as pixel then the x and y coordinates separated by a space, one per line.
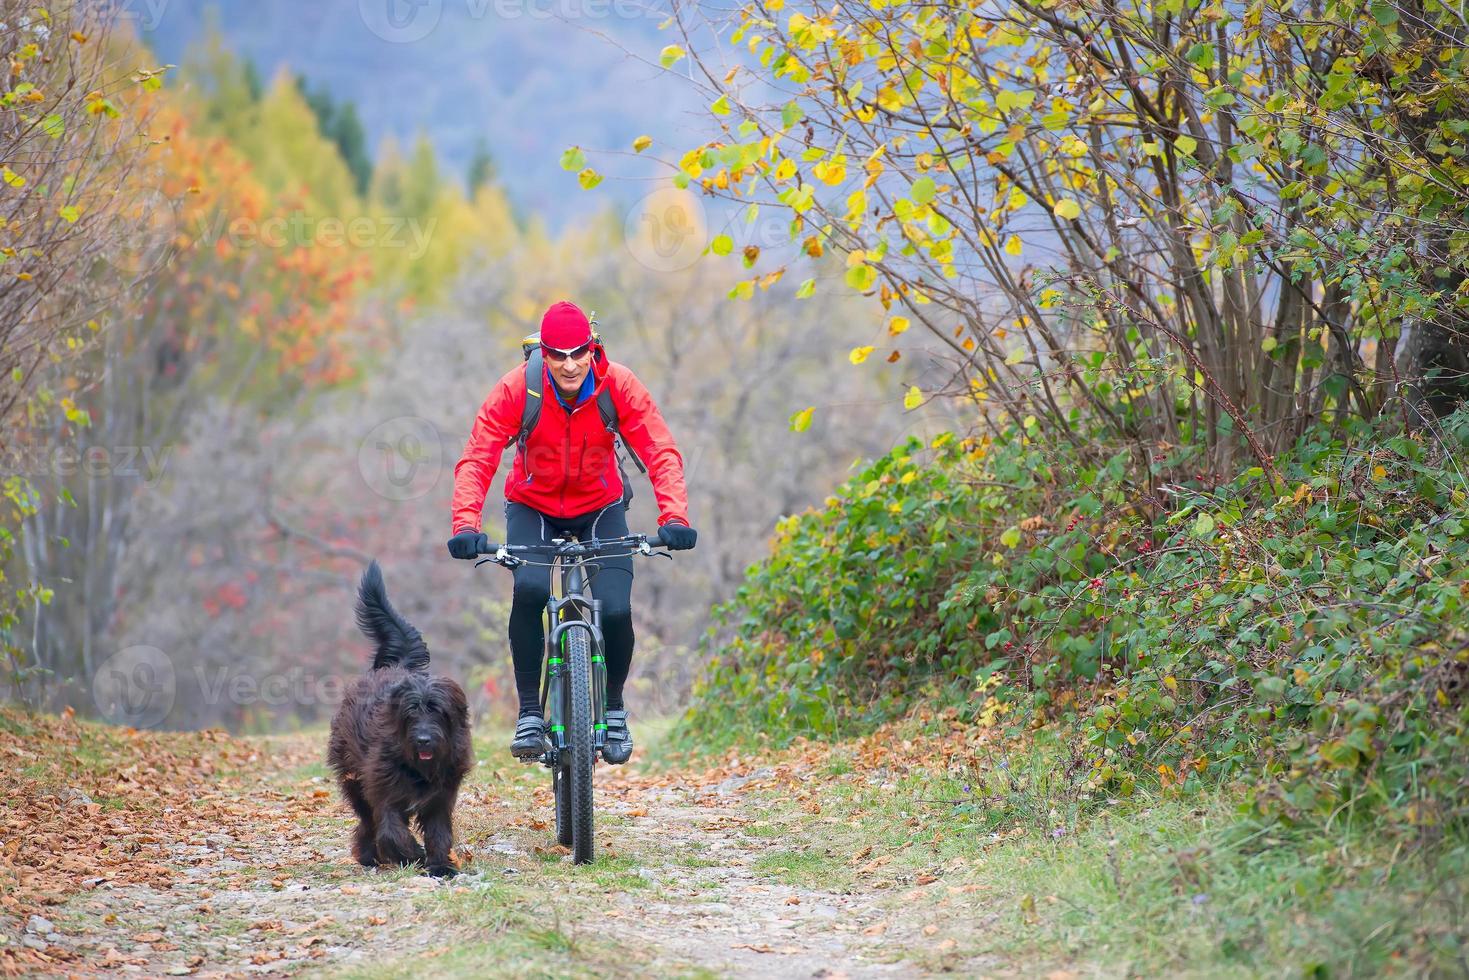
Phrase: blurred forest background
pixel 244 344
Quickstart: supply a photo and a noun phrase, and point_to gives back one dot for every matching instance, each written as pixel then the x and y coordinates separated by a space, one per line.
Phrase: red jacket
pixel 569 466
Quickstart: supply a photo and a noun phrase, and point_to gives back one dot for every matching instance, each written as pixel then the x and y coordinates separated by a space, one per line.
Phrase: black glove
pixel 468 544
pixel 677 537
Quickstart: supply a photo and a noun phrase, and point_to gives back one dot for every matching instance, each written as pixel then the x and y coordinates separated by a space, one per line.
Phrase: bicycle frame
pixel 567 610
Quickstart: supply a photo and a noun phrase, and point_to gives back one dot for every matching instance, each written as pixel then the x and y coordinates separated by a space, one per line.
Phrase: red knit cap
pixel 565 327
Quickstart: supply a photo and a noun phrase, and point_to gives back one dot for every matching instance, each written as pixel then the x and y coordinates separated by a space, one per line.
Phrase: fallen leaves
pixel 57 838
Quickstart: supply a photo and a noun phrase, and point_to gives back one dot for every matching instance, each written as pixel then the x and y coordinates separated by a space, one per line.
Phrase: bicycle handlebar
pixel 504 554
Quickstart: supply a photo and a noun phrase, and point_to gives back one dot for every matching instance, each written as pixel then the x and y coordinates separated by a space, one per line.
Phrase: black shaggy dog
pixel 400 743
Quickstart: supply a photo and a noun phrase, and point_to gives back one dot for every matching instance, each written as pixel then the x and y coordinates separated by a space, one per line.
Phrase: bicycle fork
pixel 557 680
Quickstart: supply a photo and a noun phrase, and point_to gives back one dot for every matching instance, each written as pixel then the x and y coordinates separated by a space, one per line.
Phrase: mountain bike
pixel 573 672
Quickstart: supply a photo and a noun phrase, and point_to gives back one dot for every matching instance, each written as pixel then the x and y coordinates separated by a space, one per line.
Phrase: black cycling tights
pixel 611 583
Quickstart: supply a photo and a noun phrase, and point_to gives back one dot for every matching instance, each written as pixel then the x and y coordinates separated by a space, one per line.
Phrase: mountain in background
pixel 526 78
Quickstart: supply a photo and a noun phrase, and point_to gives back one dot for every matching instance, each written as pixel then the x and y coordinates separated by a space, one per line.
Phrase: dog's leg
pixel 416 847
pixel 395 843
pixel 437 821
pixel 364 844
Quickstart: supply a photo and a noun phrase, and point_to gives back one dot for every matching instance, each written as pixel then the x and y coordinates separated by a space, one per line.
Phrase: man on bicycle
pixel 565 481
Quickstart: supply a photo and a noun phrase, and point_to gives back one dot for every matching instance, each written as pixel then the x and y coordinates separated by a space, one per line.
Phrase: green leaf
pixel 807 288
pixel 1386 14
pixel 790 114
pixel 1203 525
pixel 1007 100
pixel 54 126
pixel 720 106
pixel 1201 55
pixel 923 190
pixel 1011 537
pixel 801 421
pixel 70 214
pixel 670 55
pixel 1186 145
pixel 573 159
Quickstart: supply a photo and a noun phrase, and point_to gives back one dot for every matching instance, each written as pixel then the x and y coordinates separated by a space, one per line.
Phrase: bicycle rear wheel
pixel 581 752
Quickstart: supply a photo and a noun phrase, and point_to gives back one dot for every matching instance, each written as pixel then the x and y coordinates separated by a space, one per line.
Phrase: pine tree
pixel 351 139
pixel 339 122
pixel 482 169
pixel 290 152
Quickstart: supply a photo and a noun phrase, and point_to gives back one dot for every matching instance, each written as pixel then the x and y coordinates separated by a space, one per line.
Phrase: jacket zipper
pixel 566 462
pixel 566 458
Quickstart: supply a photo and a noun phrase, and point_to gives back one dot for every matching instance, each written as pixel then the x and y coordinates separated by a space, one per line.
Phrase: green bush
pixel 1313 639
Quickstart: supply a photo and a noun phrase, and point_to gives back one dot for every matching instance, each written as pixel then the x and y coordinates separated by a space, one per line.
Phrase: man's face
pixel 569 371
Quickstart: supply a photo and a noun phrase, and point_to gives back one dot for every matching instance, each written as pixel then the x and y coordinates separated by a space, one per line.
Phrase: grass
pixel 1162 884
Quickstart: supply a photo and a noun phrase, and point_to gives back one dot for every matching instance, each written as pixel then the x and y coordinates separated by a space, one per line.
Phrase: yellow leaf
pixel 859 354
pixel 669 55
pixel 1068 209
pixel 913 398
pixel 897 325
pixel 1012 245
pixel 642 143
pixel 801 421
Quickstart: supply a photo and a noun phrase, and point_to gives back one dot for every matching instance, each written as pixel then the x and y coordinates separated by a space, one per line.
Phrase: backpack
pixel 535 376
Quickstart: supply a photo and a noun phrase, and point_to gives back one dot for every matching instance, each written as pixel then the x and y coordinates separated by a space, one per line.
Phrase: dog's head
pixel 430 714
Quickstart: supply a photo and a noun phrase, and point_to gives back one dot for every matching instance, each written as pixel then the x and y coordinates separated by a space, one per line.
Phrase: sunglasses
pixel 556 356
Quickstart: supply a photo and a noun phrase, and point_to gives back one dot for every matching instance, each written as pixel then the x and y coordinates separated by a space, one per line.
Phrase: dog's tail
pixel 398 643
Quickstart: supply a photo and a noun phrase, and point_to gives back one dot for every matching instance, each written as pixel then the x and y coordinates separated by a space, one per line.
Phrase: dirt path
pixel 699 874
pixel 735 915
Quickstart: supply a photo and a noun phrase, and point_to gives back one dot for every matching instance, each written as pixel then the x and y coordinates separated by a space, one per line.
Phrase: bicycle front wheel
pixel 581 749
